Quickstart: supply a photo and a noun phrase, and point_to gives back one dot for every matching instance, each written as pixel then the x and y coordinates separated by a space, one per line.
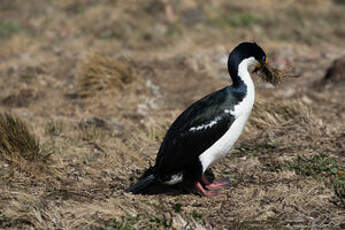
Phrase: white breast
pixel 241 113
pixel 219 149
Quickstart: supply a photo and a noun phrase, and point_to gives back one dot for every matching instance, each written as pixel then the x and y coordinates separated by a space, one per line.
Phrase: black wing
pixel 192 132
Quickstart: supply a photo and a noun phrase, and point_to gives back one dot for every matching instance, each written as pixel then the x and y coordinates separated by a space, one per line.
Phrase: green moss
pixel 255 149
pixel 241 20
pixel 9 28
pixel 177 207
pixel 320 165
pixel 238 19
pixel 197 214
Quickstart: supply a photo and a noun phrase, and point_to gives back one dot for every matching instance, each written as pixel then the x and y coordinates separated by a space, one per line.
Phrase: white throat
pixel 245 107
pixel 243 72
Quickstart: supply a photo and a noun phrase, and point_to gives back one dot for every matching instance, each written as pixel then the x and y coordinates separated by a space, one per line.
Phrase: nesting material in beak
pixel 270 74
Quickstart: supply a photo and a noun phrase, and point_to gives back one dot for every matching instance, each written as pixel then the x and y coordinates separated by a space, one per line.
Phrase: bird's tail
pixel 142 184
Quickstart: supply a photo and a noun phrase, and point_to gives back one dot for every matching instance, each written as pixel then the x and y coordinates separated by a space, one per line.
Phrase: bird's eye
pixel 264 59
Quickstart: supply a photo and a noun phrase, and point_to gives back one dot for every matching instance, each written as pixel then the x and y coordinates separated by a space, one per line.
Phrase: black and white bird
pixel 205 132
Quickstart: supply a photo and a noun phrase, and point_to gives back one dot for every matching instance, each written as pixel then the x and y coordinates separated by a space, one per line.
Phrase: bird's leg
pixel 203 191
pixel 204 180
pixel 216 184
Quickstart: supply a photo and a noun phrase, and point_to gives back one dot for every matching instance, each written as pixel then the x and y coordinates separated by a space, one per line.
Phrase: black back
pixel 182 146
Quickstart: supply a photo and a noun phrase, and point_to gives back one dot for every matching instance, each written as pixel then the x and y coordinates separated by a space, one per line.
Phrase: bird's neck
pixel 243 82
pixel 244 75
pixel 240 75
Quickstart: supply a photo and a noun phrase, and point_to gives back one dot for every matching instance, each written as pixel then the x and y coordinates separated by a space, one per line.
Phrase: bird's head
pixel 248 51
pixel 252 54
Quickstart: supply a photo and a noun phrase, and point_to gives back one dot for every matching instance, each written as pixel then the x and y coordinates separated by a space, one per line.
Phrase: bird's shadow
pixel 185 187
pixel 171 190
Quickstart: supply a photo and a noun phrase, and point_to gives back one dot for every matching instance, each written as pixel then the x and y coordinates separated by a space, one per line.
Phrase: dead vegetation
pixel 18 146
pixel 270 113
pixel 101 73
pixel 99 83
pixel 22 99
pixel 272 75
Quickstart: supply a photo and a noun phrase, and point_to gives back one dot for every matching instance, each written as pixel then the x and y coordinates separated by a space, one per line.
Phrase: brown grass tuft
pixel 18 146
pixel 101 73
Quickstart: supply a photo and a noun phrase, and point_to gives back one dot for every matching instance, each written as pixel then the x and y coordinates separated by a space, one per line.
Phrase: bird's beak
pixel 269 73
pixel 265 72
pixel 261 65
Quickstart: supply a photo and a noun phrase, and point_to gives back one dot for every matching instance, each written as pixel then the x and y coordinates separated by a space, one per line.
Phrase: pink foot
pixel 216 184
pixel 203 191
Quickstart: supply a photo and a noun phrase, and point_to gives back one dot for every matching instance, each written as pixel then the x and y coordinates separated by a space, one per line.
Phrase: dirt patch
pixel 22 99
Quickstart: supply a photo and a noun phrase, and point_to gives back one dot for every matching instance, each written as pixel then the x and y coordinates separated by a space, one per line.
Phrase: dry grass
pixel 100 83
pixel 18 146
pixel 271 113
pixel 101 73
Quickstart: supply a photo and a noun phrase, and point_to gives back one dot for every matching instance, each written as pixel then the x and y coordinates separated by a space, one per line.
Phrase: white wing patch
pixel 227 111
pixel 176 178
pixel 211 123
pixel 207 125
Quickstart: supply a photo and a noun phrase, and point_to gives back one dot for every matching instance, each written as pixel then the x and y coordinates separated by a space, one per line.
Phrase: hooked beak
pixel 268 73
pixel 261 64
pixel 263 67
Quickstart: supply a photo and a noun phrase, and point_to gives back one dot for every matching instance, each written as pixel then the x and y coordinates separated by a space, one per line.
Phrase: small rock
pixel 199 227
pixel 307 100
pixel 336 72
pixel 289 92
pixel 266 215
pixel 178 222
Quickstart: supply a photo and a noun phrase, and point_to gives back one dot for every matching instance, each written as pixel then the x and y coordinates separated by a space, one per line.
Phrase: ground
pixel 97 84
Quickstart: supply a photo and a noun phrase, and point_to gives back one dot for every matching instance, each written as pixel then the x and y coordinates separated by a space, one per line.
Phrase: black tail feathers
pixel 142 184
